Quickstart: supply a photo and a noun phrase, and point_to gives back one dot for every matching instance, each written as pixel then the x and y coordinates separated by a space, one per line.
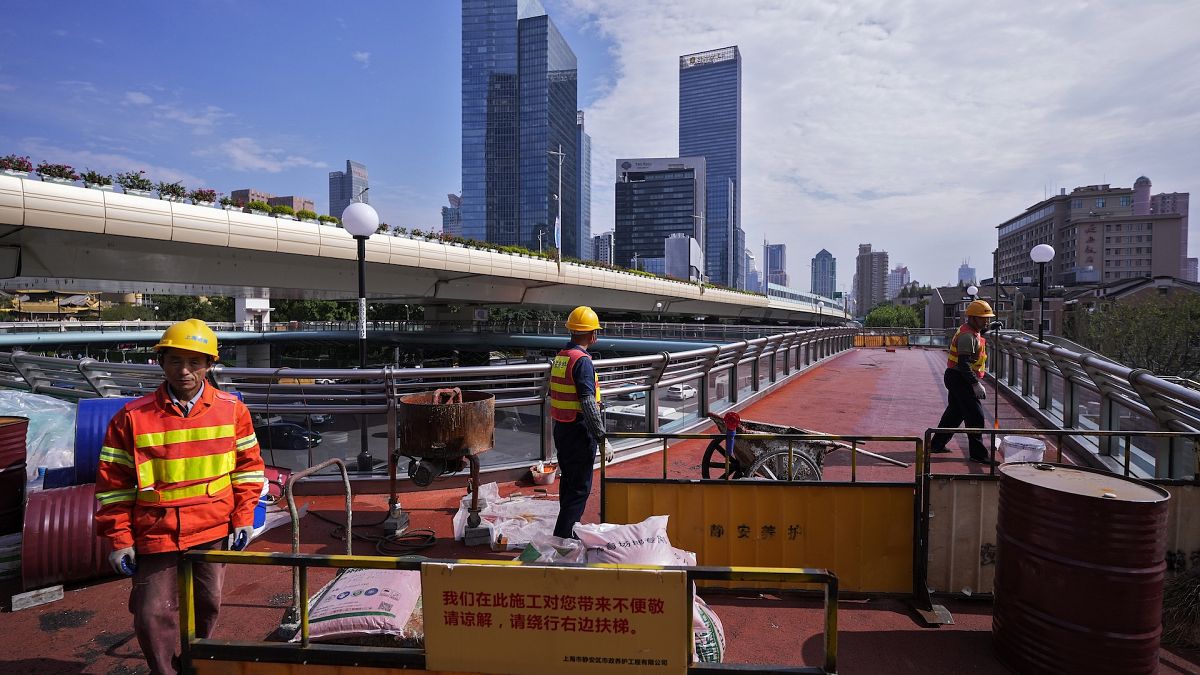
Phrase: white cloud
pixel 913 126
pixel 362 57
pixel 137 98
pixel 60 33
pixel 201 121
pixel 245 154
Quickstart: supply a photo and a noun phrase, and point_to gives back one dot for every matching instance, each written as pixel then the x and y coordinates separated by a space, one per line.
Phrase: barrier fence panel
pixel 671 643
pixel 864 531
pixel 957 528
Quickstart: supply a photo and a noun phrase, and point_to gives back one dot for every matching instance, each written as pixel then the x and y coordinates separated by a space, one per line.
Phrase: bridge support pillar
pixel 254 356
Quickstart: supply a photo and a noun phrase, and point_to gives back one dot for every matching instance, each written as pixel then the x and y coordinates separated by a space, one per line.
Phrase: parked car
pixel 632 396
pixel 286 436
pixel 681 392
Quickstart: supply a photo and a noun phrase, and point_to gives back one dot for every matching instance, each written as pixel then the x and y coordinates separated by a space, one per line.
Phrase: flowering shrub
pixel 329 219
pixel 203 195
pixel 134 180
pixel 48 170
pixel 15 163
pixel 282 210
pixel 225 201
pixel 259 206
pixel 305 214
pixel 94 178
pixel 174 190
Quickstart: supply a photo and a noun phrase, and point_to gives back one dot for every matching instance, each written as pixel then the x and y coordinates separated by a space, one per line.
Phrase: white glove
pixel 239 538
pixel 123 561
pixel 609 453
pixel 980 393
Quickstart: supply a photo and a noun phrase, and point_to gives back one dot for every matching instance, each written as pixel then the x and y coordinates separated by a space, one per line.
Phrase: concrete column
pixel 254 356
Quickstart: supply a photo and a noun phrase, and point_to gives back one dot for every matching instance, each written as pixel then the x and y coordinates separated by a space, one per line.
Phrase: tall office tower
pixel 602 248
pixel 1191 269
pixel 824 274
pixel 1174 203
pixel 519 104
pixel 347 186
pixel 871 268
pixel 583 218
pixel 452 216
pixel 966 274
pixel 898 278
pixel 710 126
pixel 655 198
pixel 775 263
pixel 753 278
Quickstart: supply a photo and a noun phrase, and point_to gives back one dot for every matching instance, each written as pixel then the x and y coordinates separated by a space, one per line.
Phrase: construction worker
pixel 575 408
pixel 964 370
pixel 180 470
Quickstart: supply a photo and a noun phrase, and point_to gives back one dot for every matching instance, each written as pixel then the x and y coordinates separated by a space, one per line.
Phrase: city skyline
pixel 959 146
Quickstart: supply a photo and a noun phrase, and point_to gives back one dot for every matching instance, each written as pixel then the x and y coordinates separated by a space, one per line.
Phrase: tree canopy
pixel 1157 333
pixel 894 316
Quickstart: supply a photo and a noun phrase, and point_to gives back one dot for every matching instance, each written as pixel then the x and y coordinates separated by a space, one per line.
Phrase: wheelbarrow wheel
pixel 774 466
pixel 713 465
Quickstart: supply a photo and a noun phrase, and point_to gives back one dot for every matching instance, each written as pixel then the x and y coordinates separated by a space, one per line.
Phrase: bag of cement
pixel 547 548
pixel 708 635
pixel 50 441
pixel 371 608
pixel 643 543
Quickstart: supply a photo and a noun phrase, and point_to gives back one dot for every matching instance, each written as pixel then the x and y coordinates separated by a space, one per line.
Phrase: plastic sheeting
pixel 518 519
pixel 51 439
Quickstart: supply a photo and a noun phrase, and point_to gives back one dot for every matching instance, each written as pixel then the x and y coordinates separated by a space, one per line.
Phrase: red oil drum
pixel 60 542
pixel 12 473
pixel 1079 571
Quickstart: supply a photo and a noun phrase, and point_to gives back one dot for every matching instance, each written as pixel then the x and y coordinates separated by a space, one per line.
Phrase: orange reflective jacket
pixel 564 395
pixel 981 357
pixel 167 482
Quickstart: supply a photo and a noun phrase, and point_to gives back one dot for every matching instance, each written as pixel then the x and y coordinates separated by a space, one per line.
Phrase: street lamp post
pixel 558 198
pixel 361 220
pixel 820 313
pixel 1042 254
pixel 973 291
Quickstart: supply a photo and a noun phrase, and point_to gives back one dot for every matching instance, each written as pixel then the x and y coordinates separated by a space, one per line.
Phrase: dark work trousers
pixel 155 604
pixel 961 407
pixel 576 456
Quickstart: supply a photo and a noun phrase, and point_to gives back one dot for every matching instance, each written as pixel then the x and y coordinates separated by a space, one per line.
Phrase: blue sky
pixel 916 127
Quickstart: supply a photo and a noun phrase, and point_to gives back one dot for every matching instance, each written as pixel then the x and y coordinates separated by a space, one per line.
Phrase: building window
pixel 1077 203
pixel 1149 226
pixel 1126 200
pixel 1099 202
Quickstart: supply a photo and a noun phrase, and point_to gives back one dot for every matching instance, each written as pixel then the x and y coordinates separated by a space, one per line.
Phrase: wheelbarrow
pixel 774 458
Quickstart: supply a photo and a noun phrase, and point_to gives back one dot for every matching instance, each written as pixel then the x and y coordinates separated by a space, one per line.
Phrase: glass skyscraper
pixel 519 102
pixel 347 186
pixel 584 191
pixel 656 198
pixel 824 274
pixel 710 125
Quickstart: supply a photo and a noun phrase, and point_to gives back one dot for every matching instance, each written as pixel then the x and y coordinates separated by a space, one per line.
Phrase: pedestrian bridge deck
pixel 860 392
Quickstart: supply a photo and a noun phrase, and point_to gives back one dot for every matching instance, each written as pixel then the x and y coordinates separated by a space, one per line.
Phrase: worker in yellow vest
pixel 964 370
pixel 575 409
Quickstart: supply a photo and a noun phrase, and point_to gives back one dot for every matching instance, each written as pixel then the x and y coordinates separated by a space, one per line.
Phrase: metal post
pixel 365 461
pixel 1041 301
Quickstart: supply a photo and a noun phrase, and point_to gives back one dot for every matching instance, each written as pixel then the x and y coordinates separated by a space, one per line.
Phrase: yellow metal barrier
pixel 213 657
pixel 876 341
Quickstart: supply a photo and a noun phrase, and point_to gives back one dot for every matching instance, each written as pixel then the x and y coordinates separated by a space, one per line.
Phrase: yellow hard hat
pixel 980 308
pixel 583 320
pixel 193 335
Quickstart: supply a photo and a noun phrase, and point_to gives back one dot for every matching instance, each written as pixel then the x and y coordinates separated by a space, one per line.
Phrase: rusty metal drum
pixel 446 423
pixel 12 472
pixel 60 542
pixel 1079 570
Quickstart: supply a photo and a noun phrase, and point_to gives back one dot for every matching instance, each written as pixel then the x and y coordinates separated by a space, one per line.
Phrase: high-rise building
pixel 898 278
pixel 347 186
pixel 247 195
pixel 602 248
pixel 966 274
pixel 824 274
pixel 1099 233
pixel 244 196
pixel 584 189
pixel 710 126
pixel 775 264
pixel 1191 270
pixel 682 257
pixel 655 198
pixel 753 276
pixel 452 216
pixel 519 104
pixel 871 269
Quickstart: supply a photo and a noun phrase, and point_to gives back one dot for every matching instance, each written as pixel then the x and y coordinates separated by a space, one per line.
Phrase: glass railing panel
pixel 518 436
pixel 1057 392
pixel 1087 407
pixel 718 391
pixel 764 372
pixel 1142 458
pixel 745 380
pixel 678 405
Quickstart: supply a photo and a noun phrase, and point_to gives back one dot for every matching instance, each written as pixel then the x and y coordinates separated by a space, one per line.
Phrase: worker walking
pixel 575 409
pixel 180 469
pixel 964 370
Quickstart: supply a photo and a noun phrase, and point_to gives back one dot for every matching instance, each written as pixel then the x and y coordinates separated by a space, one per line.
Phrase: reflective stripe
pixel 183 436
pixel 115 496
pixel 563 388
pixel 249 477
pixel 173 494
pixel 565 405
pixel 116 456
pixel 185 469
pixel 247 442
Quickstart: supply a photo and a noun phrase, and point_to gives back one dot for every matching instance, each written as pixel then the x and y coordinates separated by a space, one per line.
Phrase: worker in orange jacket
pixel 180 469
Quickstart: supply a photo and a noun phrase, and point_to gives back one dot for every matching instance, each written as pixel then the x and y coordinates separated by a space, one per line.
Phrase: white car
pixel 681 392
